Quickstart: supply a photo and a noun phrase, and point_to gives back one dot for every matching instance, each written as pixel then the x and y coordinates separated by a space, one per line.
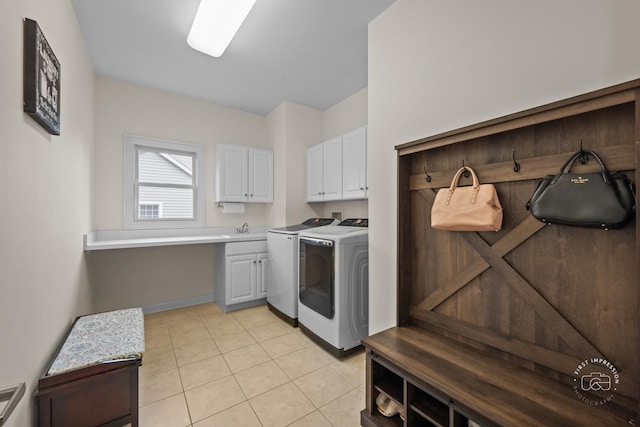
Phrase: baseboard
pixel 172 305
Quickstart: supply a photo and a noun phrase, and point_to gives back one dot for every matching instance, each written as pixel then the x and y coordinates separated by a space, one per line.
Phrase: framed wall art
pixel 41 79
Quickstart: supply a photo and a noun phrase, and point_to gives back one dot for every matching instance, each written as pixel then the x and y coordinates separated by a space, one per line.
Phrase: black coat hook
pixel 584 157
pixel 516 165
pixel 466 172
pixel 427 176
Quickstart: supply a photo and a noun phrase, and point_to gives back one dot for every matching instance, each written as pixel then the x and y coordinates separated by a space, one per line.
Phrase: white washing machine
pixel 333 300
pixel 282 246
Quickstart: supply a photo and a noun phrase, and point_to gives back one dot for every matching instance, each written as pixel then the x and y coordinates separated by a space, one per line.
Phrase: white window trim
pixel 130 205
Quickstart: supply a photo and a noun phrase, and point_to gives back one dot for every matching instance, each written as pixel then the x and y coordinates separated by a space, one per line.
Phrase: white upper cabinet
pixel 243 174
pixel 232 173
pixel 332 169
pixel 324 171
pixel 354 164
pixel 314 173
pixel 337 169
pixel 260 176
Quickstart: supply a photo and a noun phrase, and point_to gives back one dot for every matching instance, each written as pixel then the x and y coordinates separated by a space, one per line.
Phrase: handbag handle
pixel 456 178
pixel 606 177
pixel 454 184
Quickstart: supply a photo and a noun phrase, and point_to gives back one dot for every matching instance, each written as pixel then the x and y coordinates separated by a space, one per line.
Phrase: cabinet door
pixel 260 176
pixel 354 164
pixel 231 173
pixel 263 275
pixel 314 173
pixel 241 274
pixel 332 169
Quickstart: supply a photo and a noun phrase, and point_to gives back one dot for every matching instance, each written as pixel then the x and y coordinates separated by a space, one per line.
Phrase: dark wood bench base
pixel 442 382
pixel 101 395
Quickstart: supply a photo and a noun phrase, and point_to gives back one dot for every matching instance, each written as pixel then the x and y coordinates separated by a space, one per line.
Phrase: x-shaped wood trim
pixel 492 257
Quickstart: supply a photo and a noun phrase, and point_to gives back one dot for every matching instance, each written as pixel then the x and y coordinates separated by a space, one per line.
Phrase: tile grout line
pixel 245 323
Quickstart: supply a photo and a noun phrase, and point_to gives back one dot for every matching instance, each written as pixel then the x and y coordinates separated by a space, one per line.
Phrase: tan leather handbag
pixel 470 208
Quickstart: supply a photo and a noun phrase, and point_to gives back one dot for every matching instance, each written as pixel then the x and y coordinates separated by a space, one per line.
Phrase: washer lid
pixel 309 223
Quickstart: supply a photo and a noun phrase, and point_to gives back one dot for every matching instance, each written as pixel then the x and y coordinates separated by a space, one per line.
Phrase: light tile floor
pixel 205 368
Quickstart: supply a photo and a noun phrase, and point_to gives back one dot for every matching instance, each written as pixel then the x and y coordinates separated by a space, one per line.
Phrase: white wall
pixel 122 278
pixel 304 129
pixel 45 186
pixel 277 134
pixel 436 66
pixel 123 108
pixel 346 115
pixel 293 129
pixel 144 277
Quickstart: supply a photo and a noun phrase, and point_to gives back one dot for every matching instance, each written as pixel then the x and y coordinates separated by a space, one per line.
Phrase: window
pixel 163 184
pixel 150 210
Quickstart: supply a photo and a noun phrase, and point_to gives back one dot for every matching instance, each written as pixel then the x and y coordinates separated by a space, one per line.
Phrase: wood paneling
pixel 544 297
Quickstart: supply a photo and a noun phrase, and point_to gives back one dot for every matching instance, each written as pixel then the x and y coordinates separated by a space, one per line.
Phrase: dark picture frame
pixel 41 79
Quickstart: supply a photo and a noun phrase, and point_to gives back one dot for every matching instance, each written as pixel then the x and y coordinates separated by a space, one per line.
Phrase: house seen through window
pixel 162 184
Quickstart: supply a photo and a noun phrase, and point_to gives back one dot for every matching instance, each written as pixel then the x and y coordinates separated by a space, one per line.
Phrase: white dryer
pixel 333 300
pixel 282 246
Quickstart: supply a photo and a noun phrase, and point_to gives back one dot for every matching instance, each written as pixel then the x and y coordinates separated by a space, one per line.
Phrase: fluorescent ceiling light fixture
pixel 215 24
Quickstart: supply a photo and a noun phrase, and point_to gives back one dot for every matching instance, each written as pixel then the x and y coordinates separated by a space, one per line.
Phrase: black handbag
pixel 593 200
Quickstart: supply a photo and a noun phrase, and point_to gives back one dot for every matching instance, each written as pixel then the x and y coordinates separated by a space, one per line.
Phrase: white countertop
pixel 120 239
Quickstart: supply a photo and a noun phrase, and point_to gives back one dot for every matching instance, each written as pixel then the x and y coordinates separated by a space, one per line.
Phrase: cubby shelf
pixel 421 408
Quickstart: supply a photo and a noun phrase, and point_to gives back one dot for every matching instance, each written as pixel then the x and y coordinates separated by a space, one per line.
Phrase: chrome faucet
pixel 243 229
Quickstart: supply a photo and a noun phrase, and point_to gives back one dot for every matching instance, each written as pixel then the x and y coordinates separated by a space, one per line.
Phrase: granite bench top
pixel 101 337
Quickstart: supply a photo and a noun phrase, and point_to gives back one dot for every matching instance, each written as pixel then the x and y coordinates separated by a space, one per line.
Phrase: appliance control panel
pixel 317 222
pixel 355 222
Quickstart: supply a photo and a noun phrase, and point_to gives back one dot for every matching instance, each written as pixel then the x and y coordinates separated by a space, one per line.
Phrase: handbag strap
pixel 606 177
pixel 456 178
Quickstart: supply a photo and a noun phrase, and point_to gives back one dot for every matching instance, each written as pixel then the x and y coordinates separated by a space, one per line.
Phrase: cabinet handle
pixel 252 195
pixel 362 188
pixel 245 194
pixel 254 262
pixel 260 262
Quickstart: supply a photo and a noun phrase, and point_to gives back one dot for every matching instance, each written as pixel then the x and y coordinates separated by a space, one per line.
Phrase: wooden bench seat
pixel 484 388
pixel 93 379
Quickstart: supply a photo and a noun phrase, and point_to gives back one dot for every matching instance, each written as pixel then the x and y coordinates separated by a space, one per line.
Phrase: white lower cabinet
pixel 241 275
pixel 240 278
pixel 263 274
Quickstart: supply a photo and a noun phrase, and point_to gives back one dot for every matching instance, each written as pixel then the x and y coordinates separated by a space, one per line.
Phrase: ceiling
pixel 311 52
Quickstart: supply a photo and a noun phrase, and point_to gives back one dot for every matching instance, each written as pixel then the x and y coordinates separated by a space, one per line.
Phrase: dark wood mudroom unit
pixel 493 326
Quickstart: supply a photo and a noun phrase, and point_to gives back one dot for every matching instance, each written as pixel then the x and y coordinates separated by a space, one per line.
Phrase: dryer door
pixel 317 283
